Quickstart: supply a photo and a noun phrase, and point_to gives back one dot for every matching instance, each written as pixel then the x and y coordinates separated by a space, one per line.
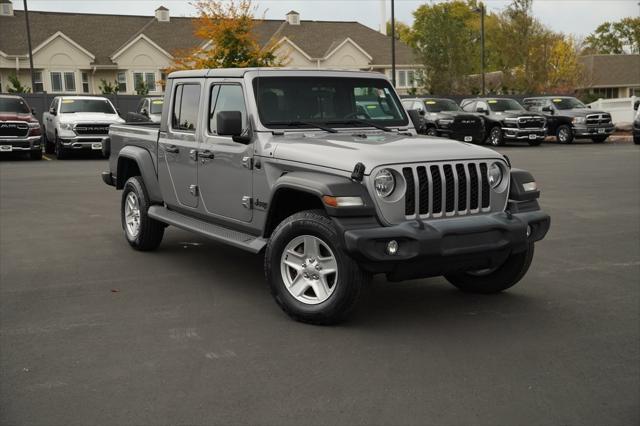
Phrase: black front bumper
pixel 441 246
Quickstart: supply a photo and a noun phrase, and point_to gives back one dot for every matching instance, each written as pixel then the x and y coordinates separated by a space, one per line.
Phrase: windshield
pixel 156 106
pixel 15 105
pixel 567 103
pixel 86 105
pixel 501 105
pixel 439 105
pixel 283 101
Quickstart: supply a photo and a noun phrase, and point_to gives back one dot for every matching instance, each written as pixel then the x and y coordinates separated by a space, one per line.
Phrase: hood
pixel 344 150
pixel 11 116
pixel 450 114
pixel 80 117
pixel 511 113
pixel 579 112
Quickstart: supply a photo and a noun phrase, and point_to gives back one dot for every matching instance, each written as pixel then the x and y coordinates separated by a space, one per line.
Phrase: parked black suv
pixel 506 120
pixel 569 119
pixel 443 117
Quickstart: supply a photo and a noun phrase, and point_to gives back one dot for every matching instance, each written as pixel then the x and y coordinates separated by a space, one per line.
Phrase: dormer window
pixel 293 18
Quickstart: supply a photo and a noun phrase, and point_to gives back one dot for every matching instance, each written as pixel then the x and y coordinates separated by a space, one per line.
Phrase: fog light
pixel 392 247
pixel 528 231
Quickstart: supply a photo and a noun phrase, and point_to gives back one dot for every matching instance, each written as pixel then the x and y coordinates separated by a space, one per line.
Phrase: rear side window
pixel 184 116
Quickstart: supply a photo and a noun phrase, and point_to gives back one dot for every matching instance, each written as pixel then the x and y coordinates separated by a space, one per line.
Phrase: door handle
pixel 172 148
pixel 206 154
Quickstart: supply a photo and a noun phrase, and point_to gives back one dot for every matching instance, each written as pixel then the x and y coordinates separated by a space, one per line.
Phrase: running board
pixel 235 238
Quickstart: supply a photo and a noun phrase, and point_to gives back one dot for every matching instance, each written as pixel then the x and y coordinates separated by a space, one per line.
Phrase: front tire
pixel 49 147
pixel 636 140
pixel 142 232
pixel 61 151
pixel 310 276
pixel 495 137
pixel 497 279
pixel 564 134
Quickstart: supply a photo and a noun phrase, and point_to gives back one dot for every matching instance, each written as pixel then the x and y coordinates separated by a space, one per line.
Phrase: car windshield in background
pixel 338 101
pixel 156 106
pixel 86 105
pixel 439 105
pixel 501 105
pixel 567 103
pixel 14 105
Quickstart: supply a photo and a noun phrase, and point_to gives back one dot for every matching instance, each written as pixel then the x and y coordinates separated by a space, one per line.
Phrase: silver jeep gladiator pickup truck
pixel 291 163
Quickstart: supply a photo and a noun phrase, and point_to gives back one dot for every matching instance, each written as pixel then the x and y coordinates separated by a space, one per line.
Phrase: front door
pixel 224 169
pixel 177 151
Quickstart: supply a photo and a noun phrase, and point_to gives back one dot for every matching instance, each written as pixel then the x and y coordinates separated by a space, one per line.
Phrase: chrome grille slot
pixel 14 129
pixel 92 129
pixel 595 119
pixel 444 190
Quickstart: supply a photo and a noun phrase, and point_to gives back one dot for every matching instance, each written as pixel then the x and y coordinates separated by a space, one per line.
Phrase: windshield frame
pixel 255 77
pixel 569 98
pixel 66 101
pixel 444 101
pixel 19 101
pixel 493 101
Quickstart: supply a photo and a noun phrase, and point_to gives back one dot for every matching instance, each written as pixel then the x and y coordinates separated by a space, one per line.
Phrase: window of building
pixel 85 82
pixel 121 77
pixel 184 115
pixel 402 79
pixel 38 86
pixel 406 78
pixel 56 82
pixel 634 91
pixel 149 78
pixel 70 81
pixel 606 92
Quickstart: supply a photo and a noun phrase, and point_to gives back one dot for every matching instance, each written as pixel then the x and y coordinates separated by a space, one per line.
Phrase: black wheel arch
pixel 136 161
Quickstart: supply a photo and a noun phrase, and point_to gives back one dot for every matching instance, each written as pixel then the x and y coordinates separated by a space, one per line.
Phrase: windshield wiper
pixel 361 121
pixel 305 123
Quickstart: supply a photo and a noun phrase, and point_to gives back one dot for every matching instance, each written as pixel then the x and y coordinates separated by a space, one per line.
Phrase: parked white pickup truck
pixel 78 122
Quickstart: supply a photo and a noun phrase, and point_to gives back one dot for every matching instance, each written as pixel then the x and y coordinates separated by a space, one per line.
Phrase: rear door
pixel 177 147
pixel 225 168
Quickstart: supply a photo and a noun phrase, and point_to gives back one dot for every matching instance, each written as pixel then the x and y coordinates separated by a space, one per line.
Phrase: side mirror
pixel 33 111
pixel 636 105
pixel 482 110
pixel 144 111
pixel 589 106
pixel 422 112
pixel 52 111
pixel 229 123
pixel 547 109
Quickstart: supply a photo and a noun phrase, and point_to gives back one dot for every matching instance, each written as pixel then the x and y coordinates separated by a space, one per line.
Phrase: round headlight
pixel 384 183
pixel 494 174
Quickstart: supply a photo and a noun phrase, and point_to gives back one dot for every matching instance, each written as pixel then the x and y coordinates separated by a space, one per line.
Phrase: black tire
pixel 564 134
pixel 349 281
pixel 599 139
pixel 495 136
pixel 61 151
pixel 49 146
pixel 36 154
pixel 431 131
pixel 636 139
pixel 497 280
pixel 150 231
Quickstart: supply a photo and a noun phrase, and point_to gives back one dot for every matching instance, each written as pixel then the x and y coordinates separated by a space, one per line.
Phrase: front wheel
pixel 495 136
pixel 49 147
pixel 142 232
pixel 497 279
pixel 61 151
pixel 636 139
pixel 564 134
pixel 310 276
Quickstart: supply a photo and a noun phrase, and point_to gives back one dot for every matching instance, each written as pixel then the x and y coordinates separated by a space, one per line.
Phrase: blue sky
pixel 578 17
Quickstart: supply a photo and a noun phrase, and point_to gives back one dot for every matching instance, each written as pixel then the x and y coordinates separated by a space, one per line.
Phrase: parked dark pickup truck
pixel 506 120
pixel 19 129
pixel 443 117
pixel 569 119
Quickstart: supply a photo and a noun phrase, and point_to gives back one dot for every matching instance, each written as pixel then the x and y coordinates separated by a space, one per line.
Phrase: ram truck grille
pixel 437 190
pixel 92 129
pixel 531 122
pixel 466 124
pixel 596 119
pixel 14 129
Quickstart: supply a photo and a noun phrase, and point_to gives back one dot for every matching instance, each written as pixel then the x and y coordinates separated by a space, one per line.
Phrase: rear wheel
pixel 564 134
pixel 599 139
pixel 142 232
pixel 311 278
pixel 496 279
pixel 495 136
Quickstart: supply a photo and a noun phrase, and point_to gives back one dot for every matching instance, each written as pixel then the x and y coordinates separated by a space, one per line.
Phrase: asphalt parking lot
pixel 92 332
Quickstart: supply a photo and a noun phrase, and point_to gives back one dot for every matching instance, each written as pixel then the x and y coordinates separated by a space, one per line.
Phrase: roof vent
pixel 162 14
pixel 293 18
pixel 6 8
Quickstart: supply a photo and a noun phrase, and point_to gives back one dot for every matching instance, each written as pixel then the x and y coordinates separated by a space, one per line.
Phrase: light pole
pixel 481 11
pixel 26 17
pixel 393 44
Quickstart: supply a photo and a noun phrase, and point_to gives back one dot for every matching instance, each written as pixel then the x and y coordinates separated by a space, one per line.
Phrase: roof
pixel 104 34
pixel 261 71
pixel 611 70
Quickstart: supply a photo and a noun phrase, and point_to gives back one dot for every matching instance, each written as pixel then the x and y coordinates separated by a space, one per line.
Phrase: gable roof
pixel 612 70
pixel 104 35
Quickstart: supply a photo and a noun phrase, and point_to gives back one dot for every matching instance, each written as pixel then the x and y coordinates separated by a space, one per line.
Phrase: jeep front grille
pixel 448 189
pixel 92 129
pixel 14 129
pixel 595 119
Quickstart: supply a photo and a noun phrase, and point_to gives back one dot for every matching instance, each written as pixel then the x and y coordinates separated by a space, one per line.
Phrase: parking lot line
pixel 46 158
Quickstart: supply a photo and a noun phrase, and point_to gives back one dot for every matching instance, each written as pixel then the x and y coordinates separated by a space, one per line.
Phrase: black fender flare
pixel 143 159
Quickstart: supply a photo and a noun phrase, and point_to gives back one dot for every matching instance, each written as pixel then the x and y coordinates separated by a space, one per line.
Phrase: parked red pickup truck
pixel 19 129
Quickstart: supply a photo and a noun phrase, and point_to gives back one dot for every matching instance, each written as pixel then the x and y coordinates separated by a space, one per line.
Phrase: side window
pixel 229 98
pixel 418 105
pixel 469 107
pixel 483 105
pixel 54 104
pixel 140 106
pixel 184 115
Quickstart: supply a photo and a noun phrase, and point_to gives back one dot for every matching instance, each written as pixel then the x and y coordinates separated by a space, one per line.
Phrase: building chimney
pixel 293 18
pixel 162 14
pixel 6 8
pixel 383 17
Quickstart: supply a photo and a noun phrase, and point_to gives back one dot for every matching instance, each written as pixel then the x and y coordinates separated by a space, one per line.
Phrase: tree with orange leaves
pixel 226 29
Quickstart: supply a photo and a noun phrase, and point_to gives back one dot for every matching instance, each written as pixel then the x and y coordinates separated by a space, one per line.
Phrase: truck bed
pixel 143 135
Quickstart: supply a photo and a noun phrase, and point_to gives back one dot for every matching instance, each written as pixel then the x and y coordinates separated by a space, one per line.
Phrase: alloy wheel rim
pixel 563 135
pixel 495 138
pixel 309 269
pixel 132 215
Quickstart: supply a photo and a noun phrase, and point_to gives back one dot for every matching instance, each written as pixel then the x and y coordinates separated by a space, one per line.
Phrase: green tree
pixel 16 86
pixel 615 37
pixel 403 32
pixel 107 88
pixel 142 88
